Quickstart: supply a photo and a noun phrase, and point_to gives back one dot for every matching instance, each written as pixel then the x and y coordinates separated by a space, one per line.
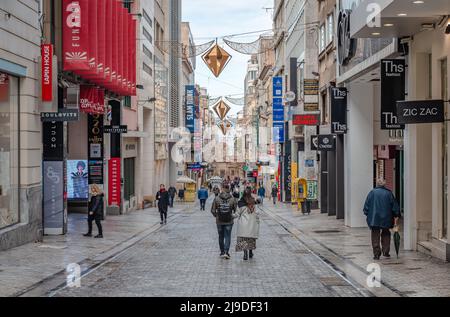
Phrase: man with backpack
pixel 223 209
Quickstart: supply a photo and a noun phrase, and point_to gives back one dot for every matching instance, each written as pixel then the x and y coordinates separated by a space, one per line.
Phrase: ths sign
pixel 426 111
pixel 323 143
pixel 338 110
pixel 47 72
pixel 306 119
pixel 393 72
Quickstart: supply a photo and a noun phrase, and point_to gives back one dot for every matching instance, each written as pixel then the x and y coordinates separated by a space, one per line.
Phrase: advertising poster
pixel 77 180
pixel 53 205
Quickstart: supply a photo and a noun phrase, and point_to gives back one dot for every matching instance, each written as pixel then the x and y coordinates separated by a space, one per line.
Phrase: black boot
pixel 245 255
pixel 250 254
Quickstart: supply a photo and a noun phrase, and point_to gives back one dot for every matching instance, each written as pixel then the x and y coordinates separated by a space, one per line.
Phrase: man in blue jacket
pixel 203 196
pixel 382 212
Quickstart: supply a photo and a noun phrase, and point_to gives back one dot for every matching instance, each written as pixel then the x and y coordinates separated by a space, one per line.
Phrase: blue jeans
pixel 262 199
pixel 224 237
pixel 171 201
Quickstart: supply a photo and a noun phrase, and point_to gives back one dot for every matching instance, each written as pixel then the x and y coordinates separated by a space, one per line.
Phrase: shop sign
pixel 423 111
pixel 53 187
pixel 311 87
pixel 393 85
pixel 190 108
pixel 63 115
pixel 114 187
pixel 47 72
pixel 194 166
pixel 95 149
pixel 278 110
pixel 306 119
pixel 53 141
pixel 311 107
pixel 338 110
pixel 288 170
pixel 92 100
pixel 346 45
pixel 323 143
pixel 115 129
pixel 4 87
pixel 278 132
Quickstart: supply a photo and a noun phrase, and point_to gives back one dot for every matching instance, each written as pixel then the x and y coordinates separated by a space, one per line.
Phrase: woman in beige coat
pixel 247 224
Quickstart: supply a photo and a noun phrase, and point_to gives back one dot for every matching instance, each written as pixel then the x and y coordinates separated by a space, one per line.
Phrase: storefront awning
pixel 398 18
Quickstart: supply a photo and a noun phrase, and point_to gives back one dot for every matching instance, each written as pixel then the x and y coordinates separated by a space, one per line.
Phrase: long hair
pixel 249 200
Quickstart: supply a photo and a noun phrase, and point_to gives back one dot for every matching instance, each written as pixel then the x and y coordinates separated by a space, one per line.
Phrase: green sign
pixel 312 189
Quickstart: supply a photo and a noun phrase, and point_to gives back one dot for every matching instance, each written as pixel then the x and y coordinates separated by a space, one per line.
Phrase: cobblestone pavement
pixel 350 251
pixel 182 259
pixel 32 269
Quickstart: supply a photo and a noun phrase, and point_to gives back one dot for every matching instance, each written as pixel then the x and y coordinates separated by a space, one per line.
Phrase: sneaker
pixel 100 236
pixel 387 255
pixel 161 223
pixel 165 222
pixel 87 235
pixel 376 258
pixel 227 256
pixel 222 254
pixel 250 254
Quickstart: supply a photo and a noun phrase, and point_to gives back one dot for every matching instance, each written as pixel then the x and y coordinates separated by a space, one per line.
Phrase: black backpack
pixel 224 212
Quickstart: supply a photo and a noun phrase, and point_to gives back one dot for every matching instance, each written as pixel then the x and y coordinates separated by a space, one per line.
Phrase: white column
pixel 358 152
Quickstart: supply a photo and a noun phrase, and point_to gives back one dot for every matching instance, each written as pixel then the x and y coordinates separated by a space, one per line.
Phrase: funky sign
pixel 338 110
pixel 393 86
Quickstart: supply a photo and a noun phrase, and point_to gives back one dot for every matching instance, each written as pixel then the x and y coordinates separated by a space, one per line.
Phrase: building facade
pixel 20 162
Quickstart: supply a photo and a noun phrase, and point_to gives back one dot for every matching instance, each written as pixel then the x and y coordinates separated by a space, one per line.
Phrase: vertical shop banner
pixel 75 35
pixel 133 56
pixel 93 38
pixel 53 141
pixel 126 53
pixel 108 41
pixel 278 110
pixel 101 29
pixel 114 184
pixel 393 86
pixel 121 50
pixel 288 170
pixel 53 204
pixel 92 100
pixel 115 43
pixel 190 108
pixel 47 72
pixel 338 97
pixel 4 87
pixel 95 149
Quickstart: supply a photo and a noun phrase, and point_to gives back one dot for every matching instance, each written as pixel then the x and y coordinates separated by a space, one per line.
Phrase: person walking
pixel 172 195
pixel 216 191
pixel 163 203
pixel 383 212
pixel 247 224
pixel 275 194
pixel 261 194
pixel 181 194
pixel 95 211
pixel 203 197
pixel 223 209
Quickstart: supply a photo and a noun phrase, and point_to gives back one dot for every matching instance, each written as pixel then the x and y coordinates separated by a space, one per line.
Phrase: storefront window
pixel 9 144
pixel 445 139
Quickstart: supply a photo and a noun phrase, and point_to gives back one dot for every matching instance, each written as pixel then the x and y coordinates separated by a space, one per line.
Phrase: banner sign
pixel 338 110
pixel 95 149
pixel 114 185
pixel 194 166
pixel 53 141
pixel 99 43
pixel 312 190
pixel 64 115
pixel 323 143
pixel 4 87
pixel 422 111
pixel 47 72
pixel 278 110
pixel 288 171
pixel 311 87
pixel 92 100
pixel 190 108
pixel 306 119
pixel 115 129
pixel 53 187
pixel 393 85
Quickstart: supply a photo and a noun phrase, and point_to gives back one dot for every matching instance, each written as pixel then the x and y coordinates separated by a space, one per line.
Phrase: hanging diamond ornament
pixel 221 109
pixel 216 59
pixel 223 128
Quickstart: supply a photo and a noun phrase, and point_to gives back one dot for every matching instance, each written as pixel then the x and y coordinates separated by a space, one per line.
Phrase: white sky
pixel 210 19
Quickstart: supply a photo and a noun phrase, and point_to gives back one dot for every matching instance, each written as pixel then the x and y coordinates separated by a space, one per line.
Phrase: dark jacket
pixel 203 193
pixel 172 191
pixel 262 192
pixel 274 192
pixel 163 200
pixel 181 193
pixel 223 197
pixel 216 191
pixel 96 206
pixel 381 208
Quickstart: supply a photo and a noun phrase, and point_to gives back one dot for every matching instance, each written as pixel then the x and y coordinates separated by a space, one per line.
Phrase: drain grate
pixel 333 281
pixel 327 231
